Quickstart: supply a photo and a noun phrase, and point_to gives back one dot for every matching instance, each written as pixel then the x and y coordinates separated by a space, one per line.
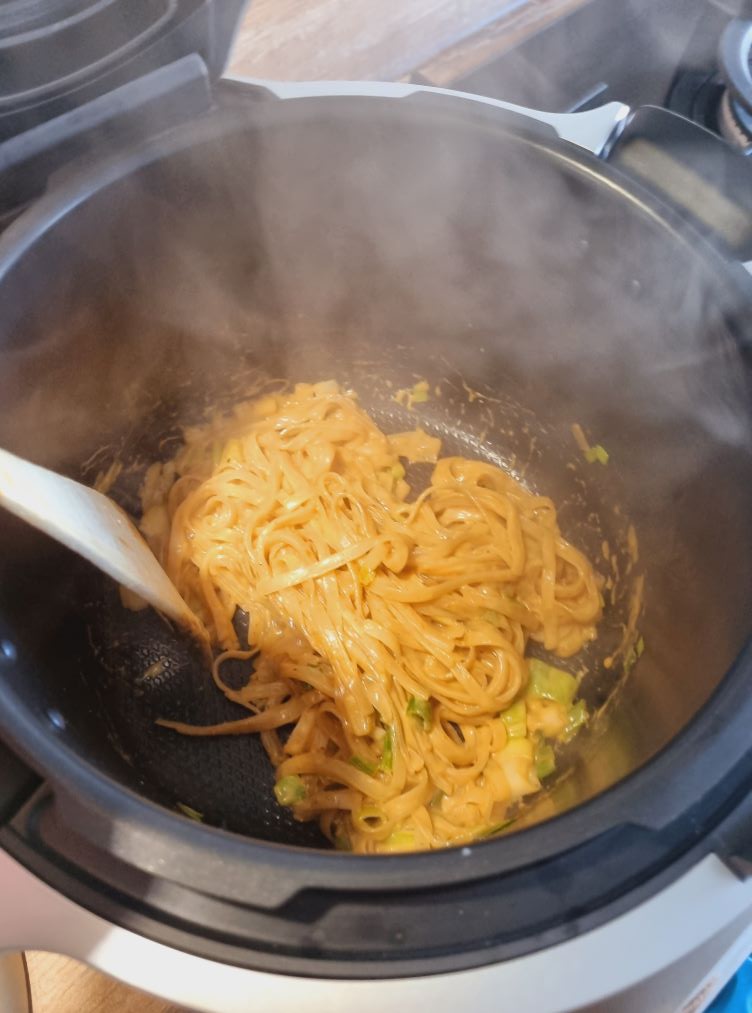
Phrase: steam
pixel 383 243
pixel 320 239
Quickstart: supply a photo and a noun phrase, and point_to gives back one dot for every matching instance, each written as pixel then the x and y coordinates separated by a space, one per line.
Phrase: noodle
pixel 388 634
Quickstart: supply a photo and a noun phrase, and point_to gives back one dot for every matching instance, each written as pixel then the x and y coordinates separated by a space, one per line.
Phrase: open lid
pixel 58 54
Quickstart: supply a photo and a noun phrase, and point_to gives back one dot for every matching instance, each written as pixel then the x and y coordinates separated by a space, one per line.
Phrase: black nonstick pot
pixel 379 241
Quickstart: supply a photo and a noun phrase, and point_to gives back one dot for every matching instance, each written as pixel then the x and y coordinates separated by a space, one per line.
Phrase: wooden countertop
pixel 439 40
pixel 358 39
pixel 60 985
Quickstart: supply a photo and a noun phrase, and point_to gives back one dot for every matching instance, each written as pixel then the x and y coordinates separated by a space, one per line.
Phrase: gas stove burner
pixel 735 57
pixel 735 122
pixel 719 96
pixel 697 95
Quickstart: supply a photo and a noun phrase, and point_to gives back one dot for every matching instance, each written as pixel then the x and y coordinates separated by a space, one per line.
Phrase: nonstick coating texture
pixel 377 248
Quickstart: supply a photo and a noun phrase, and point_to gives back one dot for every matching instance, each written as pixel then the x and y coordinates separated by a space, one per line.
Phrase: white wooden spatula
pixel 97 529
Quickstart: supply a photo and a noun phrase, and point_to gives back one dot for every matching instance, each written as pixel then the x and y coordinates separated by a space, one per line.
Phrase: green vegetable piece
pixel 192 814
pixel 436 800
pixel 387 755
pixel 634 652
pixel 419 393
pixel 400 840
pixel 363 765
pixel 289 790
pixel 551 683
pixel 398 472
pixel 495 829
pixel 515 720
pixel 366 575
pixel 576 717
pixel 597 453
pixel 545 761
pixel 422 710
pixel 371 815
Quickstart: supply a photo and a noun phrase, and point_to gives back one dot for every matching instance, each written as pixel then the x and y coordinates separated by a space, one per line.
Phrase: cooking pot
pixel 380 235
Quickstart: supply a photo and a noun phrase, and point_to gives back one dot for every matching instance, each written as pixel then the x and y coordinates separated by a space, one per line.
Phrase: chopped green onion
pixel 419 393
pixel 387 755
pixel 634 652
pixel 363 765
pixel 400 840
pixel 597 453
pixel 192 814
pixel 289 790
pixel 420 709
pixel 518 748
pixel 365 574
pixel 398 472
pixel 545 761
pixel 495 829
pixel 515 720
pixel 551 683
pixel 576 717
pixel 232 451
pixel 436 801
pixel 369 815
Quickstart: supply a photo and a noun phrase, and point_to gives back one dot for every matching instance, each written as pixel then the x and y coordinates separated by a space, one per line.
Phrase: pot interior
pixel 378 246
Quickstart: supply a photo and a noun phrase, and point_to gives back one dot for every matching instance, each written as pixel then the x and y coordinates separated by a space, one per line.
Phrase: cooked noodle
pixel 388 633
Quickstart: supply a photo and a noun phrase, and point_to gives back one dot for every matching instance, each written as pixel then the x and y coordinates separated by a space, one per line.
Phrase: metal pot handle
pixel 593 129
pixel 714 188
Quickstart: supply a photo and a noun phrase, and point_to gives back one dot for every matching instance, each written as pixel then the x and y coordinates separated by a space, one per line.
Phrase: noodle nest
pixel 387 632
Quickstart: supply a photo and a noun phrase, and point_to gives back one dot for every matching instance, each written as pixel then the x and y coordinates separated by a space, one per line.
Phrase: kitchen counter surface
pixel 438 40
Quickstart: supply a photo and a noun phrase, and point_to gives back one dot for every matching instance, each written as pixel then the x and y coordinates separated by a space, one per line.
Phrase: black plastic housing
pixel 59 54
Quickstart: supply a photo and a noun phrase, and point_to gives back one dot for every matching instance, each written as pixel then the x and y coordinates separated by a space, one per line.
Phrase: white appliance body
pixel 672 953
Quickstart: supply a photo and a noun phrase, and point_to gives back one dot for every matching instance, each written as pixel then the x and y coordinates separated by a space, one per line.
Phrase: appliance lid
pixel 58 54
